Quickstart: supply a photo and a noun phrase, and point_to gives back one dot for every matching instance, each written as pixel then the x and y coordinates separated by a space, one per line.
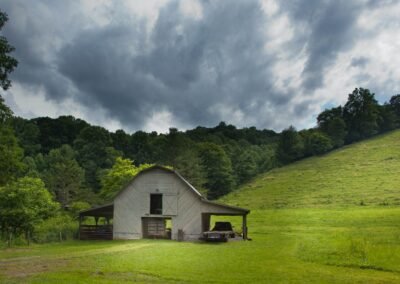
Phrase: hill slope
pixel 364 173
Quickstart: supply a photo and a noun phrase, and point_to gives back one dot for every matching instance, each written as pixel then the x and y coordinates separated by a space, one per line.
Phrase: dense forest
pixel 80 162
pixel 50 168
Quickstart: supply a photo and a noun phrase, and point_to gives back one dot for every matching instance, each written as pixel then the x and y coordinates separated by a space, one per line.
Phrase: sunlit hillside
pixel 362 174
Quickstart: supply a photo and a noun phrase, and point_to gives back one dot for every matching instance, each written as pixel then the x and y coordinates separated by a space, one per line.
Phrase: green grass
pixel 366 173
pixel 316 245
pixel 307 225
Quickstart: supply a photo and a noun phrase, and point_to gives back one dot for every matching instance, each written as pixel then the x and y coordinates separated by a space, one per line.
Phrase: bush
pixel 59 228
pixel 317 143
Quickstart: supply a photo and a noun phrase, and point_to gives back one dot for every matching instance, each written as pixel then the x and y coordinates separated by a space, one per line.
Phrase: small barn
pixel 157 203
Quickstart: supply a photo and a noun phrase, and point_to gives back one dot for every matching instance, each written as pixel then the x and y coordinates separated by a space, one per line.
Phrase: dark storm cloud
pixel 190 65
pixel 34 31
pixel 201 70
pixel 330 30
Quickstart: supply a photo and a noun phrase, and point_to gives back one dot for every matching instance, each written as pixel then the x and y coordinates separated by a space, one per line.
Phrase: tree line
pixel 361 117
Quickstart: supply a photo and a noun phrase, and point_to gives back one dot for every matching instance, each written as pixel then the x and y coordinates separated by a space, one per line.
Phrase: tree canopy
pixel 7 62
pixel 23 204
pixel 218 170
pixel 114 179
pixel 361 113
pixel 290 145
pixel 63 175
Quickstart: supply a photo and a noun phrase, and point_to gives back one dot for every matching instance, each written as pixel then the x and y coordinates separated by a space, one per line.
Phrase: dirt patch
pixel 22 267
pixel 29 267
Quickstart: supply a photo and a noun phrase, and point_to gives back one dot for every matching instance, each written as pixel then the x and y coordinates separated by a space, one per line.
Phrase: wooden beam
pixel 205 219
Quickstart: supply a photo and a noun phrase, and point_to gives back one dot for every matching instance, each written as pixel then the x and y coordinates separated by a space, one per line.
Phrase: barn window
pixel 156 204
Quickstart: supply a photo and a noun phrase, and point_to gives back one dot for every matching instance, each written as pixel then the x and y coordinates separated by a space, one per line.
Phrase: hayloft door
pixel 170 204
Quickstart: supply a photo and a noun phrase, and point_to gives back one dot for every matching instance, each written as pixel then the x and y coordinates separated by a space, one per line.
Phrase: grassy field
pixel 366 173
pixel 332 219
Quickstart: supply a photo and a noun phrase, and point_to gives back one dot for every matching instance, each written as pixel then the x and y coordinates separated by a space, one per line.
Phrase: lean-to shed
pixel 157 203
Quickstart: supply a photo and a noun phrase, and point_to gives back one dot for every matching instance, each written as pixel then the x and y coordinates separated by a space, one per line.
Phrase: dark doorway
pixel 156 228
pixel 156 204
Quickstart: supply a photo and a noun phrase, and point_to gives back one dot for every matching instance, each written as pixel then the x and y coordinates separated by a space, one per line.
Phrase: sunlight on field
pixel 289 245
pixel 363 174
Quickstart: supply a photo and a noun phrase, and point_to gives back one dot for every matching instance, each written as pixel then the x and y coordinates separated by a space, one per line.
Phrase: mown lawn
pixel 352 245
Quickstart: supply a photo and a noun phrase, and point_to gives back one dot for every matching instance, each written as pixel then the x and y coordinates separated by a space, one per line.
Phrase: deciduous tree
pixel 114 179
pixel 23 204
pixel 361 114
pixel 395 105
pixel 290 146
pixel 331 123
pixel 95 153
pixel 63 175
pixel 7 62
pixel 218 169
pixel 10 153
pixel 316 143
pixel 188 164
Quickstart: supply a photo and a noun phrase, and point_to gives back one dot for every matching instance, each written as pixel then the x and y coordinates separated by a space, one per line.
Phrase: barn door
pixel 170 204
pixel 154 228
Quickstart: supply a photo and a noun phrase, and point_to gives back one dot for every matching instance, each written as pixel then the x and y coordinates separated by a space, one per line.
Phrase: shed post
pixel 244 229
pixel 205 219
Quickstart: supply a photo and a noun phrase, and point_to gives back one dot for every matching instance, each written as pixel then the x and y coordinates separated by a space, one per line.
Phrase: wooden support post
pixel 244 225
pixel 97 220
pixel 205 219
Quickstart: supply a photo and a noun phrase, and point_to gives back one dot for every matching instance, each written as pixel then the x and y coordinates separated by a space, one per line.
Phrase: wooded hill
pixel 81 162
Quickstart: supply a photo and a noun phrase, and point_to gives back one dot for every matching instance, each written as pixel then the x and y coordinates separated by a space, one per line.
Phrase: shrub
pixel 59 228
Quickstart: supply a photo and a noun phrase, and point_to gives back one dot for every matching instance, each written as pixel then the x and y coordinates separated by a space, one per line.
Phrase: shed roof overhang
pixel 106 211
pixel 226 210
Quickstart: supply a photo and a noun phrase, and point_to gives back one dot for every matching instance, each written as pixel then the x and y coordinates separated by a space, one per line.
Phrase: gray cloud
pixel 330 30
pixel 189 67
pixel 200 70
pixel 359 62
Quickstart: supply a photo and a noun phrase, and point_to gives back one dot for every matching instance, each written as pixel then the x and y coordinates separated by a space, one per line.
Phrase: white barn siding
pixel 133 203
pixel 181 203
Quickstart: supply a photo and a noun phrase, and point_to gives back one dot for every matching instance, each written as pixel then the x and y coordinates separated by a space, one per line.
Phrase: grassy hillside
pixel 331 219
pixel 365 173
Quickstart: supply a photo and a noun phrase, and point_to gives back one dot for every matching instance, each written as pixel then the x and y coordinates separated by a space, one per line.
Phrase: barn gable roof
pixel 158 167
pixel 191 187
pixel 240 211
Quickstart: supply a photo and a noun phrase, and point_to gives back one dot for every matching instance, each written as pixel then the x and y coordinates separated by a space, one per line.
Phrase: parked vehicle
pixel 221 232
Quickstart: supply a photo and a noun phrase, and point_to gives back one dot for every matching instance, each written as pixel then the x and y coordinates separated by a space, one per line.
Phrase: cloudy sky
pixel 157 64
